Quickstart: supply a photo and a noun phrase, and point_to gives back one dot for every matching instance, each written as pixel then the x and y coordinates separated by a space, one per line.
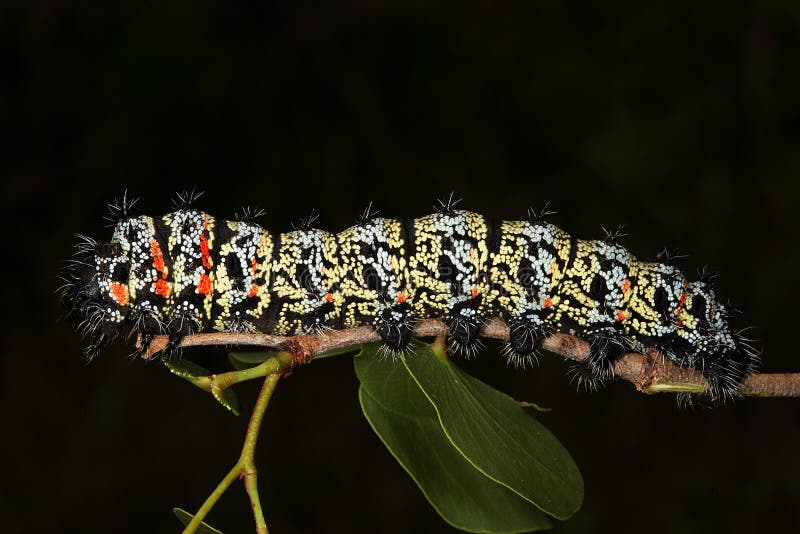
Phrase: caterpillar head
pixel 700 312
pixel 724 356
pixel 96 287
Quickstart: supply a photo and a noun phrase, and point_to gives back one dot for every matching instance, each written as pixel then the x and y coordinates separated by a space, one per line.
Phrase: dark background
pixel 681 122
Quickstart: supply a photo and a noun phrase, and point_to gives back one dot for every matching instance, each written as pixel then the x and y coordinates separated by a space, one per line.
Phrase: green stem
pixel 439 347
pixel 245 466
pixel 248 465
pixel 675 387
pixel 219 383
pixel 226 380
pixel 277 363
pixel 212 499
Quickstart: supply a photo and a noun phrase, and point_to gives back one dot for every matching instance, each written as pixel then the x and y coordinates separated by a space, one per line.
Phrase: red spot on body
pixel 158 257
pixel 162 287
pixel 253 267
pixel 205 255
pixel 120 293
pixel 401 297
pixel 328 297
pixel 474 292
pixel 681 302
pixel 548 302
pixel 620 316
pixel 253 291
pixel 626 285
pixel 204 285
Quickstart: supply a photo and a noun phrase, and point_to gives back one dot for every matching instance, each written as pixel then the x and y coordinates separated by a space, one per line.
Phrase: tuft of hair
pixel 686 401
pixel 748 346
pixel 582 375
pixel 367 214
pixel 308 222
pixel 186 199
pixel 85 246
pixel 447 205
pixel 518 359
pixel 181 325
pixel 318 329
pixel 705 276
pixel 604 351
pixel 240 325
pixel 120 208
pixel 76 275
pixel 469 350
pixel 249 214
pixel 385 352
pixel 670 258
pixel 464 332
pixel 522 351
pixel 613 237
pixel 539 216
pixel 396 327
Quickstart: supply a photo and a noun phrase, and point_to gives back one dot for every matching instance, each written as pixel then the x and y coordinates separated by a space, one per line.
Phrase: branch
pixel 245 467
pixel 649 373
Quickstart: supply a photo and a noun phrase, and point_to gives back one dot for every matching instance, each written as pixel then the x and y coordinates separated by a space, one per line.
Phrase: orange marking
pixel 548 302
pixel 678 324
pixel 253 291
pixel 401 297
pixel 554 267
pixel 120 293
pixel 626 285
pixel 620 316
pixel 204 286
pixel 474 292
pixel 205 255
pixel 253 267
pixel 162 287
pixel 681 303
pixel 158 257
pixel 328 297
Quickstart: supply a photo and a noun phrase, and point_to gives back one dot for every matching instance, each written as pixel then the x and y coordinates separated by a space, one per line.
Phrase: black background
pixel 680 121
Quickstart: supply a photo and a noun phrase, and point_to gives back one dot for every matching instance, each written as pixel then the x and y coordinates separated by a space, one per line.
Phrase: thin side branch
pixel 245 466
pixel 649 373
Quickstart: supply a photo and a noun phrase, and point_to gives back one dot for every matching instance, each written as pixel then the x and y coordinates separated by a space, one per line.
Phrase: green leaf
pixel 187 369
pixel 492 431
pixel 228 398
pixel 407 424
pixel 200 377
pixel 498 436
pixel 185 517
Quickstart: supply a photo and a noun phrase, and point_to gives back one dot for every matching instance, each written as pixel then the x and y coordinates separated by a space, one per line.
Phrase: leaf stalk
pixel 245 466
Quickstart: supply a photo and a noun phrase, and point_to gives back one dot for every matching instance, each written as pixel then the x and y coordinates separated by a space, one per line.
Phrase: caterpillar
pixel 187 272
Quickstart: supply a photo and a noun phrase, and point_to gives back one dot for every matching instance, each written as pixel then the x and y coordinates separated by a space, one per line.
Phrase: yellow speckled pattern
pixel 242 269
pixel 450 258
pixel 371 270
